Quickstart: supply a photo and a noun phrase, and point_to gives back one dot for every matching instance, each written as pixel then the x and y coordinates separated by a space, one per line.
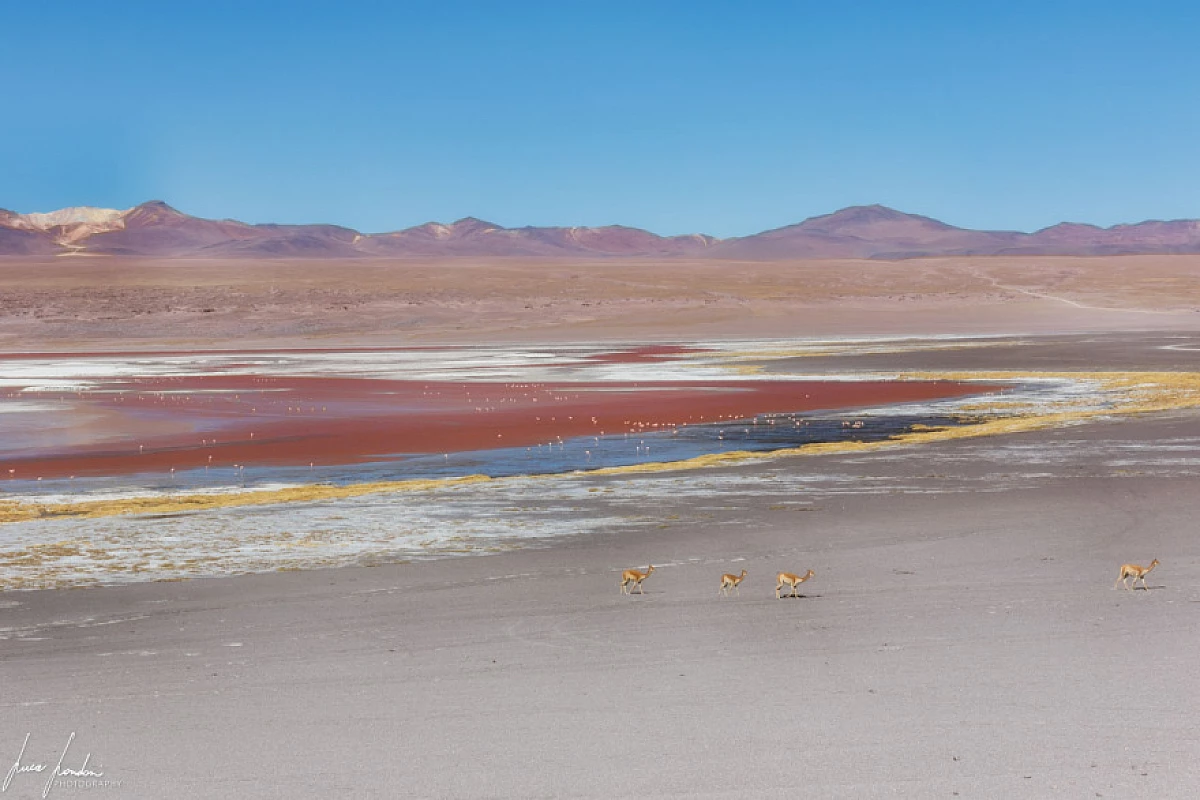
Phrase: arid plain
pixel 103 302
pixel 962 635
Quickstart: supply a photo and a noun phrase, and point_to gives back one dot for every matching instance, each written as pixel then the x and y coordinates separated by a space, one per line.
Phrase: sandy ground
pixel 120 303
pixel 961 637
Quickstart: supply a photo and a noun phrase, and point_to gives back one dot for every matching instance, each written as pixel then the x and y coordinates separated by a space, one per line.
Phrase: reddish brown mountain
pixel 865 232
pixel 293 241
pixel 1177 236
pixel 475 237
pixel 17 241
pixel 156 229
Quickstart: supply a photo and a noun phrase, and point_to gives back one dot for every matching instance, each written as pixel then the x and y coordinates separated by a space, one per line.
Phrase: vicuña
pixel 1137 573
pixel 730 582
pixel 632 578
pixel 788 579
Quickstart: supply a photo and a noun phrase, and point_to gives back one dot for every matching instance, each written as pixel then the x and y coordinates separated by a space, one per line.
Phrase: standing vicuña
pixel 787 578
pixel 632 576
pixel 1137 573
pixel 731 582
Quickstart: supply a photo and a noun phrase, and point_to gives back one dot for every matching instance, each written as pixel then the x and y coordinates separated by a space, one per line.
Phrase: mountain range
pixel 155 229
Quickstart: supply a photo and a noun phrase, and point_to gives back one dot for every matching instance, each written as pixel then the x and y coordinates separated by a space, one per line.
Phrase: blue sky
pixel 720 117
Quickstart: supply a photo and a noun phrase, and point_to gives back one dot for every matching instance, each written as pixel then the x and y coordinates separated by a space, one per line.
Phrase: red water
pixel 263 421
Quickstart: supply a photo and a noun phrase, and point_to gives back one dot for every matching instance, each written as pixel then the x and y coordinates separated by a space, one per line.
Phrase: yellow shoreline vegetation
pixel 11 511
pixel 1115 394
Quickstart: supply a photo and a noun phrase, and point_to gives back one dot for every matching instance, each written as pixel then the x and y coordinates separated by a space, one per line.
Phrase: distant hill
pixel 866 232
pixel 156 229
pixel 478 238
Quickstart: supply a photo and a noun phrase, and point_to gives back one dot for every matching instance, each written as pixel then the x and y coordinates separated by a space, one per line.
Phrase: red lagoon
pixel 163 424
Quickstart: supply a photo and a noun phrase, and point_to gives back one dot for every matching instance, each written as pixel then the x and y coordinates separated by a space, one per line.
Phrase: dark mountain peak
pixel 469 225
pixel 155 212
pixel 1069 227
pixel 860 217
pixel 873 212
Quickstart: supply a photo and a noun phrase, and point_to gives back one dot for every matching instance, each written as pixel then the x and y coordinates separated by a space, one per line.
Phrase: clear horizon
pixel 463 219
pixel 672 117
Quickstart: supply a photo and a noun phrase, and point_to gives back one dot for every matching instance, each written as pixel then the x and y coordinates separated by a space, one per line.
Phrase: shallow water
pixel 761 434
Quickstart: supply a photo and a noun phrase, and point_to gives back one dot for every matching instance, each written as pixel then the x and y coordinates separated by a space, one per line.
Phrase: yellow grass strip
pixel 11 511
